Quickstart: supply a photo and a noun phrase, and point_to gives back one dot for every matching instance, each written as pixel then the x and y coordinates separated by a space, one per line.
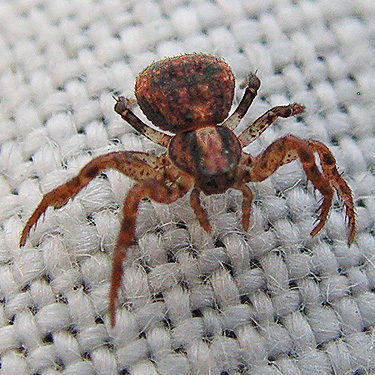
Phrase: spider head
pixel 210 154
pixel 216 184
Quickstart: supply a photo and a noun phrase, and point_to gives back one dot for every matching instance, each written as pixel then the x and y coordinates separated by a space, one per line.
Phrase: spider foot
pixel 50 199
pixel 336 180
pixel 122 105
pixel 251 82
pixel 296 108
pixel 350 217
pixel 40 210
pixel 324 209
pixel 117 272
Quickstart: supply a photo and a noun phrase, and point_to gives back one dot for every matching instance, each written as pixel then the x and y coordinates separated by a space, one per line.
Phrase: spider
pixel 191 96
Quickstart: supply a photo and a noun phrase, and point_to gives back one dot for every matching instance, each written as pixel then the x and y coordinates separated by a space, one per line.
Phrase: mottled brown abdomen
pixel 186 92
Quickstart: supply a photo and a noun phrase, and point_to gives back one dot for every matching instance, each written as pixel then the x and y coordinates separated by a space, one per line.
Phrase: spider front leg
pixel 160 192
pixel 283 151
pixel 247 200
pixel 200 212
pixel 157 178
pixel 328 163
pixel 137 165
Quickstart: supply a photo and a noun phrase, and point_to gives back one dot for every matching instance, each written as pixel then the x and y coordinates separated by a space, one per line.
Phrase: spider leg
pixel 264 121
pixel 158 179
pixel 136 165
pixel 247 199
pixel 123 109
pixel 328 163
pixel 199 211
pixel 283 151
pixel 253 84
pixel 160 192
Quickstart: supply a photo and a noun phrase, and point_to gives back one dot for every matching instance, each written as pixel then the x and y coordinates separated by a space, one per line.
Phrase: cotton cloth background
pixel 271 301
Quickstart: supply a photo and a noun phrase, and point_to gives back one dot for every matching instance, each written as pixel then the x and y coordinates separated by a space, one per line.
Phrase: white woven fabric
pixel 273 301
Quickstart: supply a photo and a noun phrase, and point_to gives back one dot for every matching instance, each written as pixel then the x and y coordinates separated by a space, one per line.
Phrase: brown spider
pixel 190 95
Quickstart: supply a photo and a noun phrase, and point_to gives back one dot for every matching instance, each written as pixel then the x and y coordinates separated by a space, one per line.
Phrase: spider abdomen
pixel 185 92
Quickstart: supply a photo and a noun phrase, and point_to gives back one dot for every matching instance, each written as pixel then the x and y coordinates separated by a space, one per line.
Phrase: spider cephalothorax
pixel 190 96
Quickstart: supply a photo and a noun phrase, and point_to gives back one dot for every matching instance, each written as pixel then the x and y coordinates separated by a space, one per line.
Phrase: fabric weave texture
pixel 271 301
